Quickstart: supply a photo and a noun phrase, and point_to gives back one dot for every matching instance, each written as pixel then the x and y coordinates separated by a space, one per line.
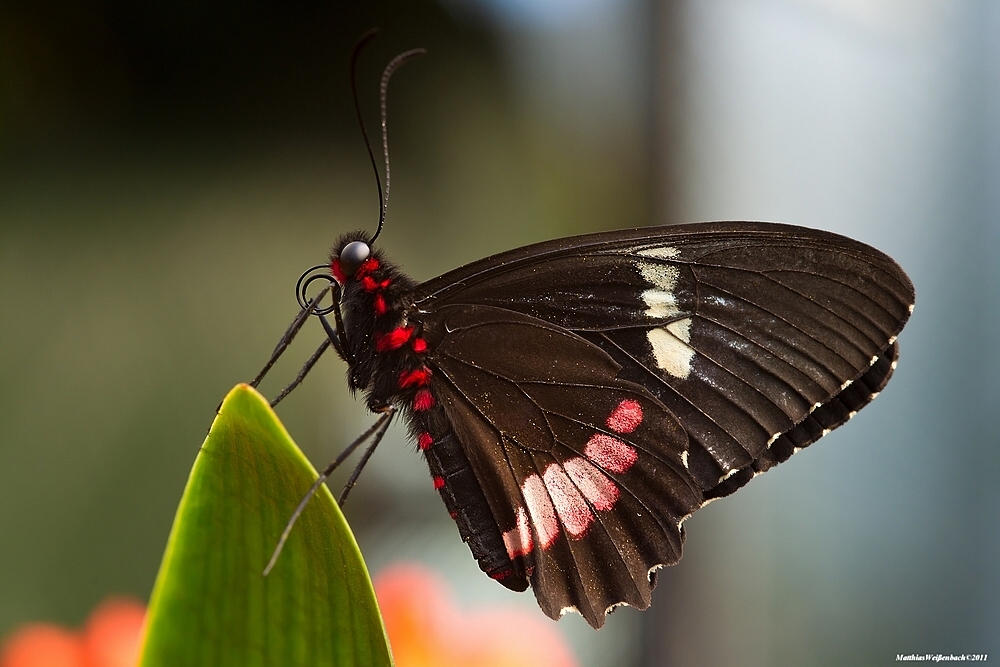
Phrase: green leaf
pixel 212 606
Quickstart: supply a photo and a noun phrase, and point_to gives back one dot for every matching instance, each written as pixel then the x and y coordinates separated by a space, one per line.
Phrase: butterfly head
pixel 352 257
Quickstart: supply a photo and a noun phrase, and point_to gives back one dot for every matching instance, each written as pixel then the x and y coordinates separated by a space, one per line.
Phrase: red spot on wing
pixel 439 482
pixel 423 400
pixel 393 340
pixel 626 417
pixel 610 453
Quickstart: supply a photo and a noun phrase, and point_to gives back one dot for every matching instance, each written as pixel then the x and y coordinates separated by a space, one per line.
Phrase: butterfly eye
pixel 353 256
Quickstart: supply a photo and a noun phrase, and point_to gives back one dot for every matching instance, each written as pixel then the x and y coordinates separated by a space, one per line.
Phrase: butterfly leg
pixel 384 421
pixel 324 346
pixel 378 430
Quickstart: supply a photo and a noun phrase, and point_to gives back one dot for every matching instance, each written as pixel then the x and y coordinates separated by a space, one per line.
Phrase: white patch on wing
pixel 661 301
pixel 662 252
pixel 518 539
pixel 670 347
pixel 573 511
pixel 540 509
pixel 595 486
pixel 684 458
pixel 661 305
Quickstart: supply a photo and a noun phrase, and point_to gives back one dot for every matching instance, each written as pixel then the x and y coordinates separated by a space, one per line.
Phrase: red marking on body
pixel 439 483
pixel 573 511
pixel 626 417
pixel 610 453
pixel 424 441
pixel 380 307
pixel 393 340
pixel 500 575
pixel 368 284
pixel 417 378
pixel 595 486
pixel 419 345
pixel 367 267
pixel 453 515
pixel 518 539
pixel 543 514
pixel 423 400
pixel 338 272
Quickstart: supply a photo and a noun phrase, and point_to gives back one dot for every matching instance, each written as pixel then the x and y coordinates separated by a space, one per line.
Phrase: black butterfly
pixel 577 400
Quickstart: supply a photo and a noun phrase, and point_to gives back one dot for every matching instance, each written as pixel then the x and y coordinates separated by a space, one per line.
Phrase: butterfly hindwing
pixel 600 486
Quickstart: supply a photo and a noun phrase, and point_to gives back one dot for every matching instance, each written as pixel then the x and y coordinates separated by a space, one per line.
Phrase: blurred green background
pixel 168 169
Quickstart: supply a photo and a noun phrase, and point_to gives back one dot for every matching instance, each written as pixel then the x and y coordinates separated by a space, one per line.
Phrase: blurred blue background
pixel 167 170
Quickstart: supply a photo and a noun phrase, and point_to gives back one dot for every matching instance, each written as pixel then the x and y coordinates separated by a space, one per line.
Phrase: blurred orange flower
pixel 427 629
pixel 111 638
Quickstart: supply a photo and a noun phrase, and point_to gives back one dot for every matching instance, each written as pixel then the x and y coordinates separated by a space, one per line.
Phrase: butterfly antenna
pixel 387 73
pixel 380 425
pixel 362 43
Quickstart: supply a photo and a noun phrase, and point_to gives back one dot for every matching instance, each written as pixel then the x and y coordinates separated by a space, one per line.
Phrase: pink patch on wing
pixel 610 453
pixel 595 486
pixel 543 514
pixel 626 417
pixel 573 511
pixel 518 540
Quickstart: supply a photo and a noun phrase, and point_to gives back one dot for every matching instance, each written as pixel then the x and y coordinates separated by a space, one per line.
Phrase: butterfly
pixel 577 400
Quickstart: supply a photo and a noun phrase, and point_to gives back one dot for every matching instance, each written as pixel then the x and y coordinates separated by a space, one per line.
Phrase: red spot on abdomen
pixel 439 483
pixel 419 345
pixel 425 441
pixel 626 417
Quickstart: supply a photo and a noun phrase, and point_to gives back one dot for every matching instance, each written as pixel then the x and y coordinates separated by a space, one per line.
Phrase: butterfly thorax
pixel 385 343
